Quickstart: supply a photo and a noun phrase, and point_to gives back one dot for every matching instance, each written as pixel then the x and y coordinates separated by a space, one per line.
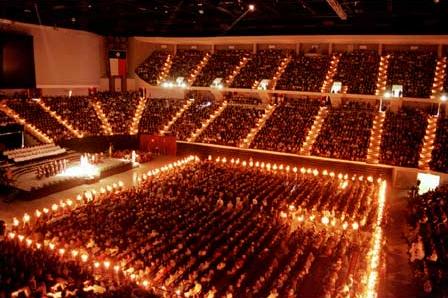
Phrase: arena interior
pixel 210 148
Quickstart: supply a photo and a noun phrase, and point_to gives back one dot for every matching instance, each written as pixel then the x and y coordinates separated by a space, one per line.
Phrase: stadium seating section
pixel 150 69
pixel 345 133
pixel 158 112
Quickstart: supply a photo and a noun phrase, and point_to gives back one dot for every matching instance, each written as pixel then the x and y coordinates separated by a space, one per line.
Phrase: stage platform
pixel 30 187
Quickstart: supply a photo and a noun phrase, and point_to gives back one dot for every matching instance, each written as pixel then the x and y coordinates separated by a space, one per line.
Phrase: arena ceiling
pixel 215 17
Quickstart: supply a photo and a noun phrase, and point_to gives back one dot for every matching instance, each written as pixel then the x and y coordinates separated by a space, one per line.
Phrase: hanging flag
pixel 117 63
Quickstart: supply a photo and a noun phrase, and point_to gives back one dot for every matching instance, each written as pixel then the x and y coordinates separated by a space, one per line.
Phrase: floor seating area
pixel 277 237
pixel 158 112
pixel 78 112
pixel 287 127
pixel 184 62
pixel 402 138
pixel 345 132
pixel 119 109
pixel 150 69
pixel 192 119
pixel 304 73
pixel 262 65
pixel 414 70
pixel 221 64
pixel 232 126
pixel 358 70
pixel 439 160
pixel 428 245
pixel 35 115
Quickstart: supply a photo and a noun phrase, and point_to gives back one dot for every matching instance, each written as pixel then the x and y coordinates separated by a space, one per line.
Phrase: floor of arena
pixel 18 208
pixel 399 275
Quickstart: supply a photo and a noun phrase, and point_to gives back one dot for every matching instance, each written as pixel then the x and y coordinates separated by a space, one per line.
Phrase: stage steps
pixel 30 128
pixel 166 127
pixel 428 143
pixel 258 126
pixel 373 152
pixel 381 81
pixel 280 70
pixel 206 123
pixel 314 131
pixel 133 130
pixel 328 82
pixel 439 78
pixel 165 70
pixel 104 121
pixel 236 71
pixel 192 77
pixel 59 119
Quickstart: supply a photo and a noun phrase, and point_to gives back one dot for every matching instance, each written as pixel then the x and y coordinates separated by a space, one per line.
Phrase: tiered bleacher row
pixel 287 127
pixel 208 230
pixel 344 134
pixel 33 113
pixel 78 111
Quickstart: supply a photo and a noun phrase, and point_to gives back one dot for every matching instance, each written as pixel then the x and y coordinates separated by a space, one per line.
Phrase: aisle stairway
pixel 104 121
pixel 236 71
pixel 280 70
pixel 133 130
pixel 328 82
pixel 314 131
pixel 166 127
pixel 428 143
pixel 30 128
pixel 258 126
pixel 207 122
pixel 373 153
pixel 439 77
pixel 193 75
pixel 165 70
pixel 381 81
pixel 59 119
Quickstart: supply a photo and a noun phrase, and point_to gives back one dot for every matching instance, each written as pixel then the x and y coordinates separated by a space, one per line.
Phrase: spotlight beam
pixel 249 9
pixel 338 9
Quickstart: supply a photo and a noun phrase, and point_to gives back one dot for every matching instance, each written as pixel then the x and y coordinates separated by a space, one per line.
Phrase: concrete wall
pixel 65 59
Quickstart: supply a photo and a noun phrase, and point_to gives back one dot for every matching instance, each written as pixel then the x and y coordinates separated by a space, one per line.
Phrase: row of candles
pixel 282 168
pixel 19 229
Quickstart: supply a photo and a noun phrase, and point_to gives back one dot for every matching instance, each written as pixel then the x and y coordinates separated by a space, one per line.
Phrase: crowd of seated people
pixel 119 108
pixel 439 161
pixel 158 112
pixel 414 70
pixel 150 69
pixel 35 115
pixel 140 156
pixel 359 71
pixel 232 126
pixel 287 127
pixel 5 120
pixel 217 230
pixel 243 100
pixel 345 133
pixel 31 273
pixel 184 63
pixel 51 168
pixel 220 65
pixel 402 137
pixel 428 241
pixel 304 73
pixel 78 112
pixel 261 66
pixel 192 119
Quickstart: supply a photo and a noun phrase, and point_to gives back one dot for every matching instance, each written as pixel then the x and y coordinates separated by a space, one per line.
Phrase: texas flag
pixel 117 63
